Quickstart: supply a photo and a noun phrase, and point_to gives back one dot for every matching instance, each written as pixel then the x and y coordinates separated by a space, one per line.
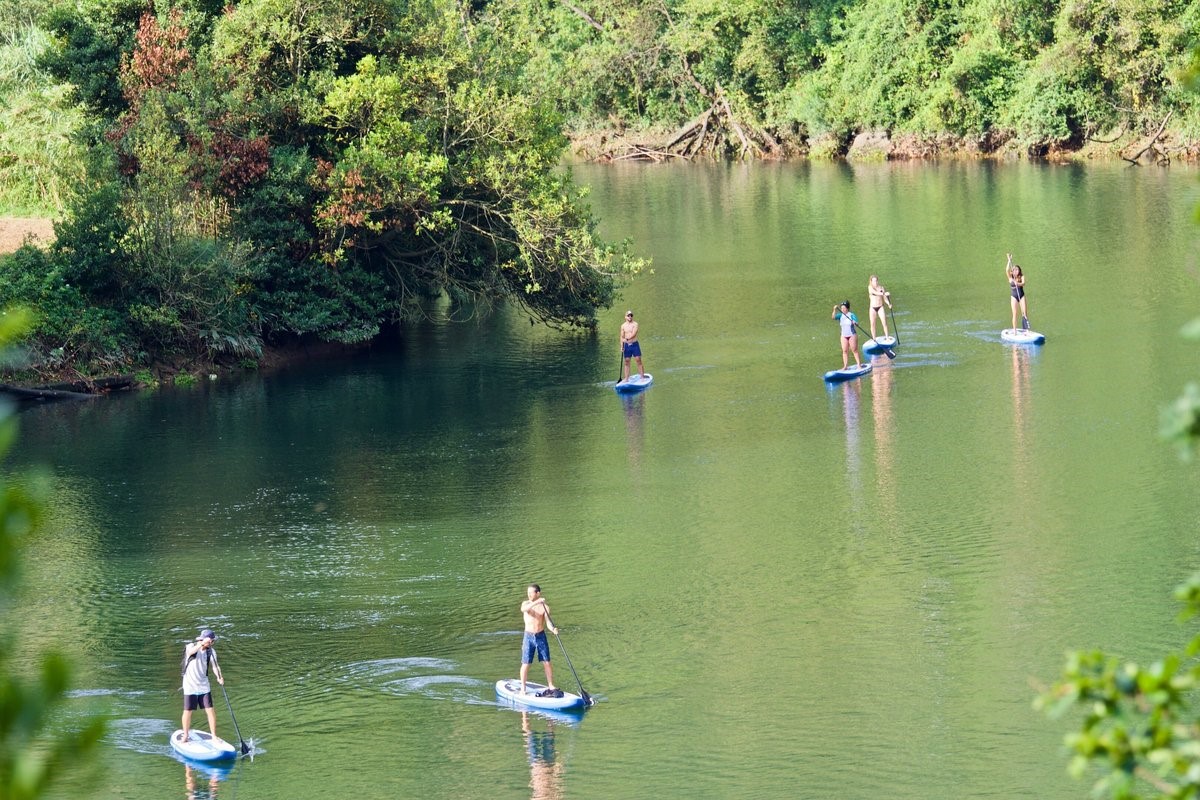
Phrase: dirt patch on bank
pixel 15 231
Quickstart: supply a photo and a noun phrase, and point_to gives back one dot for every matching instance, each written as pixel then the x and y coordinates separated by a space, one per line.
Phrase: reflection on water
pixel 634 433
pixel 881 412
pixel 201 782
pixel 545 769
pixel 1022 359
pixel 851 392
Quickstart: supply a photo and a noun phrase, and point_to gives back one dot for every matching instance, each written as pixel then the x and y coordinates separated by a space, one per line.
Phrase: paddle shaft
pixel 886 352
pixel 894 328
pixel 245 747
pixel 587 699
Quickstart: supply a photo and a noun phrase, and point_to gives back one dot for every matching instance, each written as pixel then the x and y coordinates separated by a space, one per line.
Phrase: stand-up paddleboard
pixel 634 383
pixel 201 746
pixel 536 696
pixel 879 344
pixel 849 373
pixel 1019 336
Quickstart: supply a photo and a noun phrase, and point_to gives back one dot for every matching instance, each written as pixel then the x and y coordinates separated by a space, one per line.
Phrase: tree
pixel 292 168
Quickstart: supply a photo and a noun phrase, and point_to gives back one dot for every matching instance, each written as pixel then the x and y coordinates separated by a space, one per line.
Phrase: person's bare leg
pixel 212 720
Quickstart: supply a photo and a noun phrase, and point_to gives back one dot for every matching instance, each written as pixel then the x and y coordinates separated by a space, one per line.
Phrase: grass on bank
pixel 38 156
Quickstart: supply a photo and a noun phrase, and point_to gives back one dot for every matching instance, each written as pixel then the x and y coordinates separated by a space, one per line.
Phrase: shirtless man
pixel 629 344
pixel 537 619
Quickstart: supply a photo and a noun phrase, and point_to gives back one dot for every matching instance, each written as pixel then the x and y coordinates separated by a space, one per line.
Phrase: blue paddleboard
pixel 849 373
pixel 635 383
pixel 1019 336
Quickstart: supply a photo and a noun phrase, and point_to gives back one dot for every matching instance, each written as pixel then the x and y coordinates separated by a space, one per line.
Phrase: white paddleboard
pixel 201 746
pixel 1020 336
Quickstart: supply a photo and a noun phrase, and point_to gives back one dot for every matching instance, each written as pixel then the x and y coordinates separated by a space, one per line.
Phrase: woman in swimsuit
pixel 878 296
pixel 1016 282
pixel 849 337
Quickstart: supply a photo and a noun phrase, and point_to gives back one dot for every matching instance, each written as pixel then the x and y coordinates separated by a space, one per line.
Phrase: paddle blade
pixel 889 354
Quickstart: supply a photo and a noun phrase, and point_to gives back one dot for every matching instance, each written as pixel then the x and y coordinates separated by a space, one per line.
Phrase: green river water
pixel 774 588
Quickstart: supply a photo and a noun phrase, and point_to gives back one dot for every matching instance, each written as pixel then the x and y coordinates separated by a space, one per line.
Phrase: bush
pixel 67 328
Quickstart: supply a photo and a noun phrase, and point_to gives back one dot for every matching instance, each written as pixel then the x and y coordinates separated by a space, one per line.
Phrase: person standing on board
pixel 878 296
pixel 849 337
pixel 629 344
pixel 198 656
pixel 1016 282
pixel 537 619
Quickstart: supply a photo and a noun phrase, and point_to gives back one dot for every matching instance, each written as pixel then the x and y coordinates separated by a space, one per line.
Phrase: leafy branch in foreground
pixel 1140 723
pixel 32 753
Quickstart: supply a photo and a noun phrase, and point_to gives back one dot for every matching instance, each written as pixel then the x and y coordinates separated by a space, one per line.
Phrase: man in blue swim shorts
pixel 537 619
pixel 629 345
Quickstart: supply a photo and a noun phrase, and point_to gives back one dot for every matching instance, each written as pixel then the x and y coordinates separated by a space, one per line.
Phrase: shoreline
pixel 606 145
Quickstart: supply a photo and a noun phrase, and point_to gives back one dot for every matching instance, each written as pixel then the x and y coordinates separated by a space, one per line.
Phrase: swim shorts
pixel 535 642
pixel 193 701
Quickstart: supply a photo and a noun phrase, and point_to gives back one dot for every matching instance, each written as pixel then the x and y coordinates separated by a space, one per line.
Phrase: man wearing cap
pixel 197 693
pixel 629 345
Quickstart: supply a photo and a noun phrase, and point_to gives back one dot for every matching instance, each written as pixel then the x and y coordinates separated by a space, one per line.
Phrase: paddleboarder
pixel 1016 283
pixel 629 345
pixel 878 296
pixel 198 656
pixel 849 337
pixel 537 619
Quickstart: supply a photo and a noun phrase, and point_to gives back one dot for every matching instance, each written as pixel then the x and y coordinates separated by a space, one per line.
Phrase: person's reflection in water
pixel 545 773
pixel 1020 394
pixel 633 427
pixel 881 413
pixel 197 793
pixel 851 394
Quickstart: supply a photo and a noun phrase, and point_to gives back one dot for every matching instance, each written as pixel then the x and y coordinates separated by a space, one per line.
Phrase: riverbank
pixel 1161 147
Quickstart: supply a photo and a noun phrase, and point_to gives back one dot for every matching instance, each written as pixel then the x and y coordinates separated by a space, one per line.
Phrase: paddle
pixel 886 352
pixel 587 698
pixel 893 318
pixel 245 747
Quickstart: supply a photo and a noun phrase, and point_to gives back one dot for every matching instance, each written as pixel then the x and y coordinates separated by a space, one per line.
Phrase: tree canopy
pixel 289 168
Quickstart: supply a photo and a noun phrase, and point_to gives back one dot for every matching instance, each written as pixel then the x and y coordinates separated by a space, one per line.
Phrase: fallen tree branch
pixel 26 395
pixel 1153 139
pixel 583 15
pixel 1110 141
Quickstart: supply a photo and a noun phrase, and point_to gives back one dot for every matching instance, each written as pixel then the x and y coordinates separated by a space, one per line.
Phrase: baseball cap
pixel 207 634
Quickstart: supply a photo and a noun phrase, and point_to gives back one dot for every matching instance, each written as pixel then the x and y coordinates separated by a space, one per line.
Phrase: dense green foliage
pixel 271 170
pixel 1039 75
pixel 32 754
pixel 263 169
